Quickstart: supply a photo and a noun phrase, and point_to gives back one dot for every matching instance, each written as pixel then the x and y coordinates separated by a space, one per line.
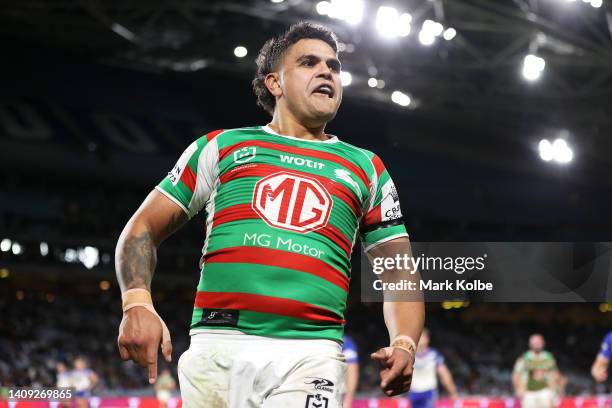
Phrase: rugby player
pixel 428 366
pixel 535 377
pixel 599 370
pixel 284 204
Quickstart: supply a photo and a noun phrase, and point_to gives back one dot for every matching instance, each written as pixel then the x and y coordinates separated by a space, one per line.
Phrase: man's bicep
pixel 162 215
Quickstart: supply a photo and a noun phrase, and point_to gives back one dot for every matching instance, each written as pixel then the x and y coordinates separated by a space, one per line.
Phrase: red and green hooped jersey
pixel 282 215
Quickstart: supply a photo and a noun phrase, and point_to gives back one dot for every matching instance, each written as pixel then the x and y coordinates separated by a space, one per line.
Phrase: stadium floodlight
pixel 426 38
pixel 89 256
pixel 5 245
pixel 323 8
pixel 561 151
pixel 400 98
pixel 350 11
pixel 390 23
pixel 70 255
pixel 346 78
pixel 380 84
pixel 546 150
pixel 432 28
pixel 372 82
pixel 277 1
pixel 558 151
pixel 44 248
pixel 596 3
pixel 17 248
pixel 240 51
pixel 533 66
pixel 449 33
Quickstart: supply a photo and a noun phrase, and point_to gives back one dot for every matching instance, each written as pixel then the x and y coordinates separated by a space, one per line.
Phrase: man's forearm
pixel 404 318
pixel 135 258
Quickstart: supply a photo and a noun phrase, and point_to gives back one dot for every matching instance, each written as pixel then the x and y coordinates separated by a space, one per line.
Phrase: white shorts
pixel 231 369
pixel 538 399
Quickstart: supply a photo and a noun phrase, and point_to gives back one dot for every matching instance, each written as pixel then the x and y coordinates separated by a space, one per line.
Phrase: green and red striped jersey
pixel 282 216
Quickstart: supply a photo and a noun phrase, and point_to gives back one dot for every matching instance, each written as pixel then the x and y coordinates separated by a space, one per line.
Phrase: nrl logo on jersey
pixel 245 154
pixel 321 384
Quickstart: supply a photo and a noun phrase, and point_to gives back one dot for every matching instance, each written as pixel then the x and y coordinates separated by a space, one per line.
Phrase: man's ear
pixel 272 82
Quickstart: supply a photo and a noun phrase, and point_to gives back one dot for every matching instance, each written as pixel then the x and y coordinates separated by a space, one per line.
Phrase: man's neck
pixel 287 125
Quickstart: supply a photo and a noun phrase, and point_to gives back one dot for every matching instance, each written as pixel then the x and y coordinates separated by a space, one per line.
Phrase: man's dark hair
pixel 273 51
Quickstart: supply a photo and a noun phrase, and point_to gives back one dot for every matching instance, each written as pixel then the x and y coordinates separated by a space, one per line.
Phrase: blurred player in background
pixel 428 366
pixel 62 376
pixel 535 377
pixel 349 348
pixel 599 370
pixel 165 387
pixel 63 379
pixel 284 203
pixel 83 380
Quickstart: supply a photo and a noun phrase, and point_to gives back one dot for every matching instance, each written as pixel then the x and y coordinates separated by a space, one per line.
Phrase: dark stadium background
pixel 463 156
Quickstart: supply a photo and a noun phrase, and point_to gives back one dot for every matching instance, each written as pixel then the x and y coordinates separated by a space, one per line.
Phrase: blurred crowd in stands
pixel 39 330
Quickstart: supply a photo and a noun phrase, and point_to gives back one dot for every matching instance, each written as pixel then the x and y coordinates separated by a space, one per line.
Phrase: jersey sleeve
pixel 606 346
pixel 383 217
pixel 192 179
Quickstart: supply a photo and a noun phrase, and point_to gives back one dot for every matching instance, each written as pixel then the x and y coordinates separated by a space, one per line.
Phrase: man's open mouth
pixel 324 90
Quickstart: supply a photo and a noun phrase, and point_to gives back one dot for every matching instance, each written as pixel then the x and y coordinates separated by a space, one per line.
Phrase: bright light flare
pixel 346 78
pixel 350 11
pixel 390 23
pixel 449 33
pixel 401 98
pixel 533 66
pixel 240 51
pixel 558 151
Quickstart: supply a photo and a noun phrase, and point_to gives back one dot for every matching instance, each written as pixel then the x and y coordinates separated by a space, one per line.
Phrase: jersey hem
pixel 196 331
pixel 382 241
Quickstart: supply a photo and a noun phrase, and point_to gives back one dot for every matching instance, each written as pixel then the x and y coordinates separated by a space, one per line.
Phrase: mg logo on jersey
pixel 293 202
pixel 245 154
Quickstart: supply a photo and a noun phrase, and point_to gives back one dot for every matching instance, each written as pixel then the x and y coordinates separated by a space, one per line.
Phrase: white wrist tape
pixel 141 297
pixel 402 342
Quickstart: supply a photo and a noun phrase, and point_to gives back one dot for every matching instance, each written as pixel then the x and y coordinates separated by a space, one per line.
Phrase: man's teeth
pixel 324 89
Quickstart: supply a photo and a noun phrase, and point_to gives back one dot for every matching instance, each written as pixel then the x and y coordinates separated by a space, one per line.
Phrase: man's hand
pixel 396 371
pixel 140 335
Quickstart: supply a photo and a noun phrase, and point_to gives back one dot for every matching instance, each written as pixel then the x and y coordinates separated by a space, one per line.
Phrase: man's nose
pixel 325 71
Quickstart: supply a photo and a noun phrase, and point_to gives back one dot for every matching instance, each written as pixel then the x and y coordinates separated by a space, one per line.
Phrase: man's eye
pixel 308 63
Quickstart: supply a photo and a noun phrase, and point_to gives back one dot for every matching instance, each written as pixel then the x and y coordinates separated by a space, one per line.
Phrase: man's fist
pixel 396 370
pixel 140 334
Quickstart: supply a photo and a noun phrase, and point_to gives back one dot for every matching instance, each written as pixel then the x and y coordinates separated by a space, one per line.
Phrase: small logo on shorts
pixel 316 401
pixel 321 384
pixel 221 317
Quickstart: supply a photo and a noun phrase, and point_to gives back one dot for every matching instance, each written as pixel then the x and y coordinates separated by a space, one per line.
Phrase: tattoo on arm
pixel 176 221
pixel 135 261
